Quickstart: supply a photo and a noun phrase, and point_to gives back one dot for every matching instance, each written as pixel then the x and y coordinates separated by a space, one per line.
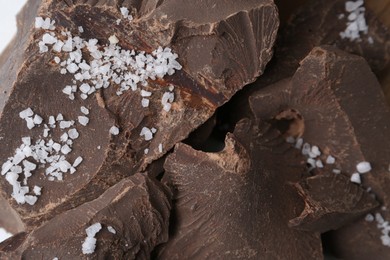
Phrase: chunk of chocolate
pixel 221 47
pixel 331 201
pixel 345 115
pixel 321 22
pixel 237 203
pixel 133 216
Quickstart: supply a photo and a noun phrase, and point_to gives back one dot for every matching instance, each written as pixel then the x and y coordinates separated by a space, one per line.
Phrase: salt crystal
pixel 66 124
pixel 81 29
pixel 93 229
pixel 290 140
pixel 57 60
pixel 146 151
pixel 77 161
pixel 145 93
pixel 363 167
pixel 330 159
pixel 356 178
pixel 26 113
pixel 37 119
pixel 37 190
pixel 6 167
pixel 30 199
pixel 160 148
pixel 311 162
pixel 72 68
pixel 85 88
pixel 299 143
pixel 145 102
pixel 147 133
pixel 84 110
pixel 39 22
pixel 64 137
pixel 48 39
pixel 29 166
pixel 57 47
pixel 319 164
pixel 89 245
pixel 113 39
pixel 30 123
pixel 59 117
pixel 114 130
pixel 315 150
pixel 73 134
pixel 124 12
pixel 111 230
pixel 306 149
pixel 65 149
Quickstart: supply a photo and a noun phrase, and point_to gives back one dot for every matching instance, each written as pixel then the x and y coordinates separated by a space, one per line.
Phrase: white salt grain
pixel 113 39
pixel 73 134
pixel 89 245
pixel 83 120
pixel 319 164
pixel 114 130
pixel 37 190
pixel 356 178
pixel 145 102
pixel 26 113
pixel 363 167
pixel 37 119
pixel 160 148
pixel 84 110
pixel 330 159
pixel 57 60
pixel 369 218
pixel 65 149
pixel 146 151
pixel 93 229
pixel 77 161
pixel 111 230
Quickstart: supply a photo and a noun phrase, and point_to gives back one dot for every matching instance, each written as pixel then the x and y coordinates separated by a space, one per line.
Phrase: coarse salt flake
pixel 356 178
pixel 114 130
pixel 363 167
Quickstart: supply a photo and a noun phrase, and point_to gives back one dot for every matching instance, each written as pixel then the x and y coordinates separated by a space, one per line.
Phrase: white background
pixel 8 11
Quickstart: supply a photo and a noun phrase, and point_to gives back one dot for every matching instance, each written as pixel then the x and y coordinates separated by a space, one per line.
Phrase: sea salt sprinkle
pixel 89 244
pixel 114 130
pixel 356 23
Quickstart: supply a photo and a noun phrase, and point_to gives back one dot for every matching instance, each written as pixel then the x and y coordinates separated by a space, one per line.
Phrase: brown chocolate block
pixel 137 208
pixel 222 46
pixel 331 201
pixel 237 203
pixel 345 114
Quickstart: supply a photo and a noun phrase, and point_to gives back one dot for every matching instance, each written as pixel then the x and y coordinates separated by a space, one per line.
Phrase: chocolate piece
pixel 221 45
pixel 12 58
pixel 331 201
pixel 137 209
pixel 317 23
pixel 9 219
pixel 237 203
pixel 345 115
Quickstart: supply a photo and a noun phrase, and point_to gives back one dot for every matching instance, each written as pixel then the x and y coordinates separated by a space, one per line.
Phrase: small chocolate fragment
pixel 134 215
pixel 346 116
pixel 221 45
pixel 331 201
pixel 9 219
pixel 237 203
